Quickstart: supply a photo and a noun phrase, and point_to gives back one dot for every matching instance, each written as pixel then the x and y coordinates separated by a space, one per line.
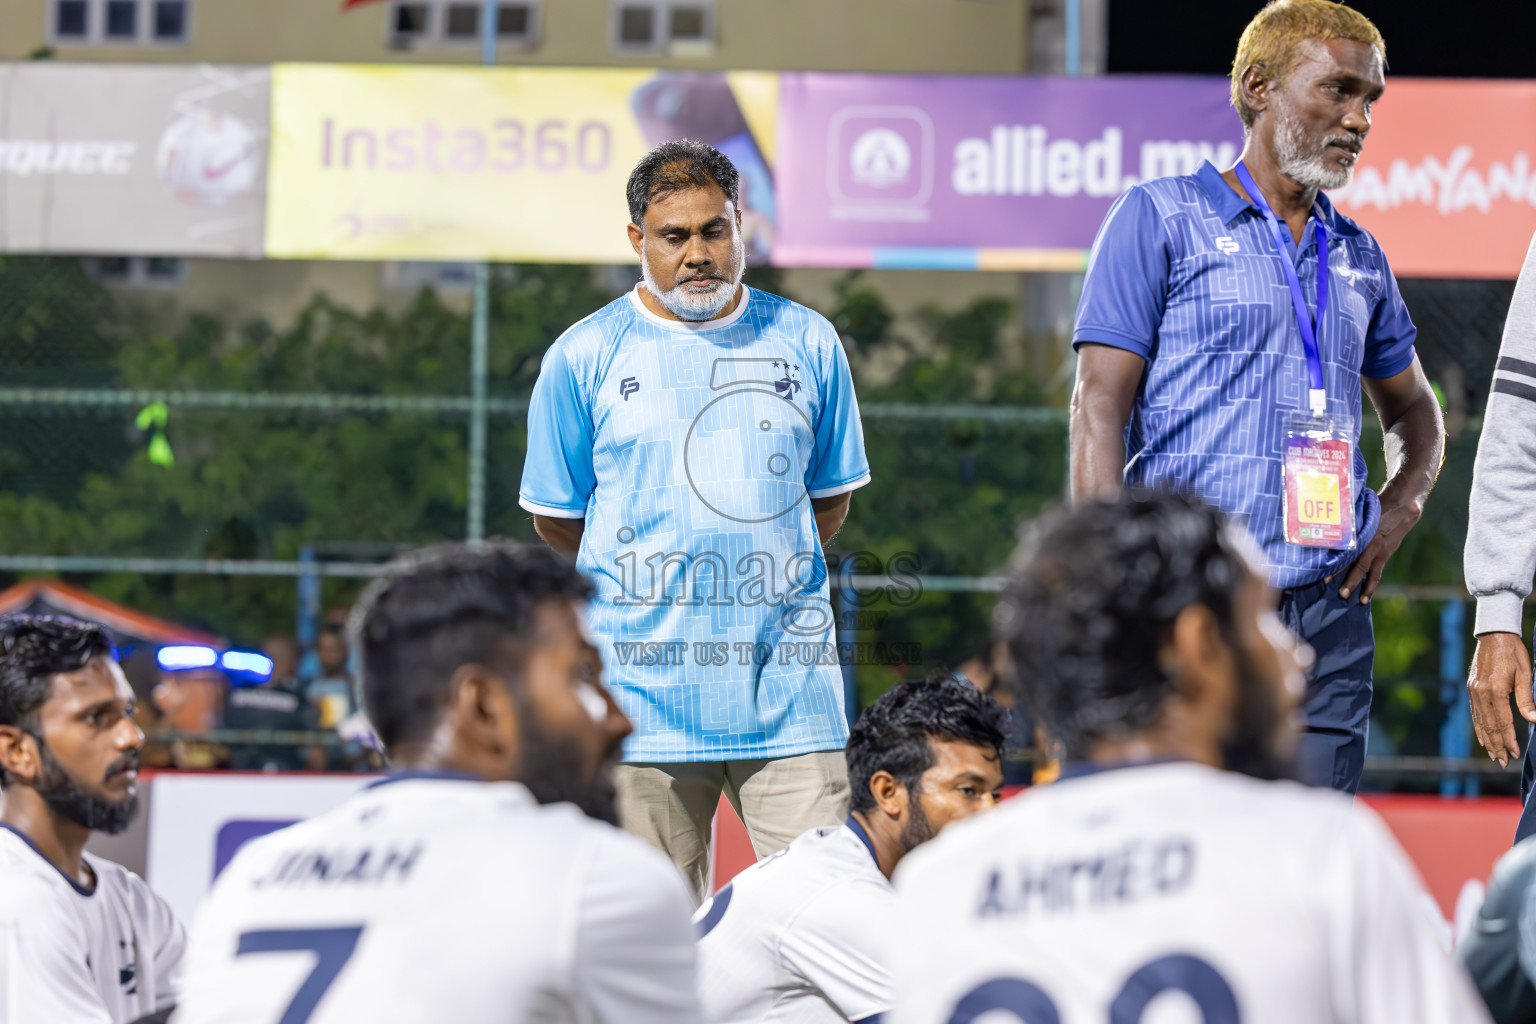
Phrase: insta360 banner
pixel 497 163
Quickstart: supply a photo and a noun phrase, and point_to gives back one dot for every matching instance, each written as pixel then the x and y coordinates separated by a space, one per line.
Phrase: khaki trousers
pixel 672 805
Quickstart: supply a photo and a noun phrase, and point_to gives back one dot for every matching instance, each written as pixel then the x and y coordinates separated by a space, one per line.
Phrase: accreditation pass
pixel 1319 499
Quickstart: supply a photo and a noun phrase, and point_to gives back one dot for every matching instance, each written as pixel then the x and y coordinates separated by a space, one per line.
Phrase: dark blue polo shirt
pixel 1185 274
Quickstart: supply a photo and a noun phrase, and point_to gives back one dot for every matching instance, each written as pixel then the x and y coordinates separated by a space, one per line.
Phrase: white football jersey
pixel 73 955
pixel 1172 892
pixel 799 937
pixel 438 898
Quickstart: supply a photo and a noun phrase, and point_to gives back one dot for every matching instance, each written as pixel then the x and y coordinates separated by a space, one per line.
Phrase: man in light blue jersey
pixel 1228 323
pixel 694 444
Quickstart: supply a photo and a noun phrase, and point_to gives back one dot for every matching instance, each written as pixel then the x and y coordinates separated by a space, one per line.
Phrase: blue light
pixel 248 662
pixel 175 659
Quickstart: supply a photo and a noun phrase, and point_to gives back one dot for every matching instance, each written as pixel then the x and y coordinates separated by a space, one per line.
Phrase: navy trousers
pixel 1527 825
pixel 1337 708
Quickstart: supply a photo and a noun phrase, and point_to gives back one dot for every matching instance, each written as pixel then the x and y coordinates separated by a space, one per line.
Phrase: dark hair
pixel 443 607
pixel 1093 591
pixel 675 166
pixel 34 649
pixel 893 733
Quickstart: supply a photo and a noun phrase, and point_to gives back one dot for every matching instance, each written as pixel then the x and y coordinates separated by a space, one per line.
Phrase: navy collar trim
pixel 1229 203
pixel 423 774
pixel 1082 769
pixel 1224 197
pixel 82 890
pixel 858 830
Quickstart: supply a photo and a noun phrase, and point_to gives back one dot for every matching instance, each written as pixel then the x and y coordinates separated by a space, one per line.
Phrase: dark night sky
pixel 1459 39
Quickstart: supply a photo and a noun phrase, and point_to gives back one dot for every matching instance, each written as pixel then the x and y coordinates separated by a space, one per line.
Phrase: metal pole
pixel 477 416
pixel 488 26
pixel 1074 46
pixel 479 342
pixel 1456 730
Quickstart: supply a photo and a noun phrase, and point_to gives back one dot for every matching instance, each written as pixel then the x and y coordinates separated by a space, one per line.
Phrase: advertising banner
pixel 1447 181
pixel 989 173
pixel 493 163
pixel 198 822
pixel 117 159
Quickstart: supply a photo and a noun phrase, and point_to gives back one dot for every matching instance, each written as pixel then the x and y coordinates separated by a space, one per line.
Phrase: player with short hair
pixel 465 887
pixel 82 940
pixel 804 935
pixel 1170 869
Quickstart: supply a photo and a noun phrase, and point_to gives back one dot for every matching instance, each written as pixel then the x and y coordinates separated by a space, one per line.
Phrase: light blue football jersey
pixel 692 451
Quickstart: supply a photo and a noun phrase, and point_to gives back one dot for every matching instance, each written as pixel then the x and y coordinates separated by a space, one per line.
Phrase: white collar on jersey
pixel 694 326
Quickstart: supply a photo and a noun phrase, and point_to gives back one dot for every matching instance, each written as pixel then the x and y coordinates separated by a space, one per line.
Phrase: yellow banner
pixel 429 163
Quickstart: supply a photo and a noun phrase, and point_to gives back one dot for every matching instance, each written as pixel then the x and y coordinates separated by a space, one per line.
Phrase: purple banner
pixel 978 172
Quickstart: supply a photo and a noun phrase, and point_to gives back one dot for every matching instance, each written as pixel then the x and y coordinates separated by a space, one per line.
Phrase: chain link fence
pixel 198 469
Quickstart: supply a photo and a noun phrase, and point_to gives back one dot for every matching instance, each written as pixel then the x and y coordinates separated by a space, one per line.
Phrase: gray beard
pixel 688 305
pixel 1304 168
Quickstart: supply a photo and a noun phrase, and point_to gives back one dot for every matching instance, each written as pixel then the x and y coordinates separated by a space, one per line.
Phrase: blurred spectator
pixel 190 701
pixel 331 691
pixel 982 673
pixel 279 704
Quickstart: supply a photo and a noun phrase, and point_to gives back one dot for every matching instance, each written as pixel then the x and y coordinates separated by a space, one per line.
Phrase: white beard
pixel 1306 169
pixel 687 303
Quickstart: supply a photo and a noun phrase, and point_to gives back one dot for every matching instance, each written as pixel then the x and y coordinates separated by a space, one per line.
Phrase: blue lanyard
pixel 1304 322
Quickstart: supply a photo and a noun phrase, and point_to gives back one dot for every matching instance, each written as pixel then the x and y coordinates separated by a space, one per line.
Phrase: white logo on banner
pixel 208 158
pixel 1024 160
pixel 880 158
pixel 1448 186
pixel 23 157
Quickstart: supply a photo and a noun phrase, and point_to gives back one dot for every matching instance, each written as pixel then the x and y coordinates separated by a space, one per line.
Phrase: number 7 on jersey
pixel 333 948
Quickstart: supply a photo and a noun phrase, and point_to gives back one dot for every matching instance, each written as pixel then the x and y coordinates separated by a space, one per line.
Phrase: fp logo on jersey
pixel 1227 244
pixel 628 386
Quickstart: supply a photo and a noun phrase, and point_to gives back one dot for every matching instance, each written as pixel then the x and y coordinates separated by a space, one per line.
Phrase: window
pixel 170 21
pixel 649 26
pixel 120 22
pixel 637 26
pixel 122 19
pixel 513 20
pixel 457 23
pixel 411 20
pixel 688 23
pixel 463 21
pixel 147 272
pixel 71 19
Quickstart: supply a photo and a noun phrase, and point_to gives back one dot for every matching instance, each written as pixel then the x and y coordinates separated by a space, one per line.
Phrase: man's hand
pixel 1499 665
pixel 1395 524
pixel 1414 438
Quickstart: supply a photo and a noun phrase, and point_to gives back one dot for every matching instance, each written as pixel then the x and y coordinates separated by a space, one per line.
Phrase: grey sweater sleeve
pixel 1501 534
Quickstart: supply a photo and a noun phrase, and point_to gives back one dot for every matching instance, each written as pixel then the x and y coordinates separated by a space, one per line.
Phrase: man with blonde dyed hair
pixel 1275 43
pixel 1230 320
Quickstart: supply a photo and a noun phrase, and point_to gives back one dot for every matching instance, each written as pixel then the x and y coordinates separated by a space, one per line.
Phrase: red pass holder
pixel 1319 492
